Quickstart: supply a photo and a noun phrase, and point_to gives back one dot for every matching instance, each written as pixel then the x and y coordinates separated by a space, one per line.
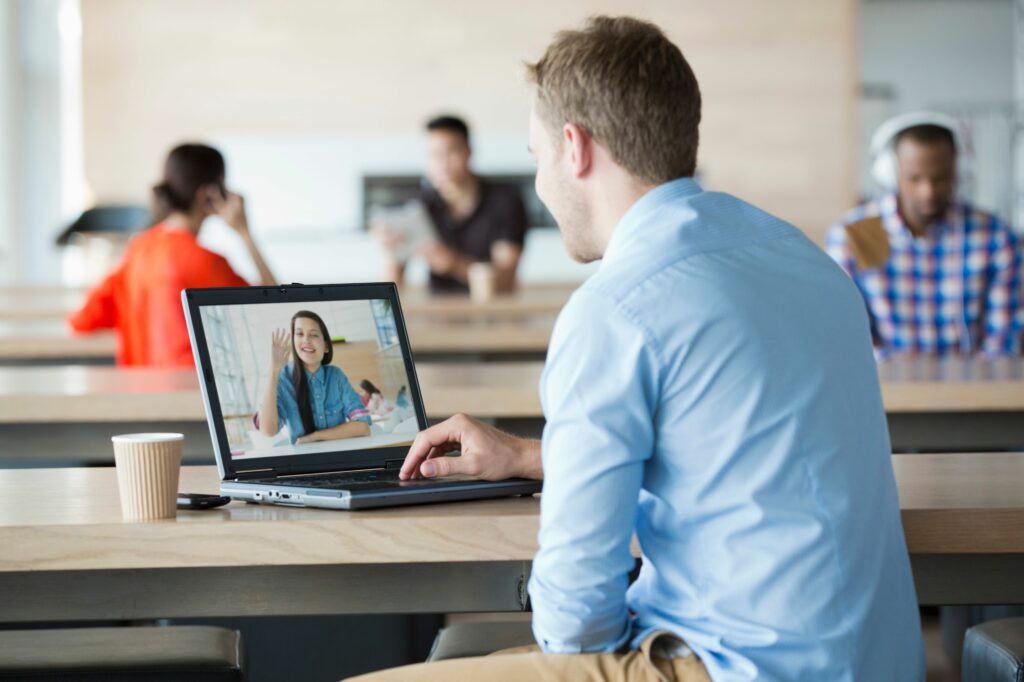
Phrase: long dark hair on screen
pixel 298 369
pixel 188 167
pixel 368 386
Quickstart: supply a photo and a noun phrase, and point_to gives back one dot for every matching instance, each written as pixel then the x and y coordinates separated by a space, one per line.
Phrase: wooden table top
pixel 498 389
pixel 47 338
pixel 962 503
pixel 528 300
pixel 952 384
pixel 55 303
pixel 41 303
pixel 69 519
pixel 79 526
pixel 530 335
pixel 82 393
pixel 24 339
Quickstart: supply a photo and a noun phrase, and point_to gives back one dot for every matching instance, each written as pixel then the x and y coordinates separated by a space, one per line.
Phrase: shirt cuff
pixel 555 646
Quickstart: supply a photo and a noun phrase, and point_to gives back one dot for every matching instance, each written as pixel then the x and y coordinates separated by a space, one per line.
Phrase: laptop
pixel 312 399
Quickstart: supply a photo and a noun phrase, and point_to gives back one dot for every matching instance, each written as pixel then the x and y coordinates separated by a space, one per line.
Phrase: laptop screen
pixel 308 377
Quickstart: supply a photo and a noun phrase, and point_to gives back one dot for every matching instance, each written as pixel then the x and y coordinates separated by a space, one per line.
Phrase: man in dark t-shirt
pixel 474 221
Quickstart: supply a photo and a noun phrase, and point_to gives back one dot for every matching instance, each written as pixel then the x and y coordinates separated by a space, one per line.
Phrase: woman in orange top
pixel 141 298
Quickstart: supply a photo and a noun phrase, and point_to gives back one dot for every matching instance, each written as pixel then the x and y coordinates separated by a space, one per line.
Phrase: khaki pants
pixel 646 664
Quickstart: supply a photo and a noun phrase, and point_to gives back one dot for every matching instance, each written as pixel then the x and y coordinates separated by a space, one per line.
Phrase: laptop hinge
pixel 284 472
pixel 253 473
pixel 393 464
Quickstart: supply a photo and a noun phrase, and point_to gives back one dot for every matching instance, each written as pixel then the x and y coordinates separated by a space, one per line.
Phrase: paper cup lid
pixel 147 437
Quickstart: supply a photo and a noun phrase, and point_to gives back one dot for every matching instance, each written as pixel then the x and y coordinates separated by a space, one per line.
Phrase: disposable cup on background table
pixel 481 282
pixel 148 465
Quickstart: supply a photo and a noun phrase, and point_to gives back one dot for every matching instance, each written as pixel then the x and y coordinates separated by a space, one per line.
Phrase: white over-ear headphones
pixel 883 151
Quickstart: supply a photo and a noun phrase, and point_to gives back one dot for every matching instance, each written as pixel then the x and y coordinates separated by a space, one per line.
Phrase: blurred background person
pixel 937 274
pixel 141 298
pixel 473 220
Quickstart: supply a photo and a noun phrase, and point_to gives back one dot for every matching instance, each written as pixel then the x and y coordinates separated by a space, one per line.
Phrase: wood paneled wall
pixel 778 80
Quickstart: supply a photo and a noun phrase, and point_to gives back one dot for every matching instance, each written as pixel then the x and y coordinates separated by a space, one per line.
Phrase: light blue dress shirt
pixel 712 388
pixel 332 400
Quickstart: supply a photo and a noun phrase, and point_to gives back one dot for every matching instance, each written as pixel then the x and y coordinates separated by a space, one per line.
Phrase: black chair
pixel 954 622
pixel 994 652
pixel 176 653
pixel 463 640
pixel 107 219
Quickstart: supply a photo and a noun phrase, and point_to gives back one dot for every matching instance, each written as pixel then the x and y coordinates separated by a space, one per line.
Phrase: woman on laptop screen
pixel 312 397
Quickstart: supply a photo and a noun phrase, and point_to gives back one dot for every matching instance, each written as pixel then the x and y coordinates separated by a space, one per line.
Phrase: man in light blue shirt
pixel 712 390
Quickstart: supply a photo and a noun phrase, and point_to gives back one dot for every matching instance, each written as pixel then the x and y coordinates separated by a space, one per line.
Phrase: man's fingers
pixel 438 467
pixel 438 451
pixel 437 435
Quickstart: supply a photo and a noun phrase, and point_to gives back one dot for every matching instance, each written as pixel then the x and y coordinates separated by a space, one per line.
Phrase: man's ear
pixel 579 146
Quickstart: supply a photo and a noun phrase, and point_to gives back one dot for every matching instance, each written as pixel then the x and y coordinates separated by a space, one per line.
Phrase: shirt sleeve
pixel 1002 301
pixel 99 310
pixel 511 221
pixel 351 405
pixel 599 393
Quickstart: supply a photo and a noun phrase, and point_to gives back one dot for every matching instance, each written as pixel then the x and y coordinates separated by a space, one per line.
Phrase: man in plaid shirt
pixel 937 275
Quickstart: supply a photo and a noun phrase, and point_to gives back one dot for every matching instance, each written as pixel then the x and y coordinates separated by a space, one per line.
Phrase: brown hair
pixel 188 167
pixel 630 87
pixel 368 386
pixel 926 133
pixel 449 123
pixel 298 369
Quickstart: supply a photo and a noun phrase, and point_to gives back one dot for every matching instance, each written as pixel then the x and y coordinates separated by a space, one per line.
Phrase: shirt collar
pixel 896 226
pixel 633 220
pixel 319 377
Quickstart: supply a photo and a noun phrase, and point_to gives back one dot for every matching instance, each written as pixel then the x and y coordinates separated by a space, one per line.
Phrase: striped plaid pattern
pixel 955 290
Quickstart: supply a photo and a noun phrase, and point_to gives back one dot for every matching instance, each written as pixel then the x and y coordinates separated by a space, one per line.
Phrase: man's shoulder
pixel 596 313
pixel 500 193
pixel 648 270
pixel 979 219
pixel 595 300
pixel 427 193
pixel 622 292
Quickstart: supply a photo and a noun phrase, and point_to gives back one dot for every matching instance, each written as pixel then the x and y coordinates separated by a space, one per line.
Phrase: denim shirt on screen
pixel 331 397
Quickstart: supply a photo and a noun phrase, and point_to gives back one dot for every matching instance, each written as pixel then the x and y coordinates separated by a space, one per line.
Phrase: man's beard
pixel 576 225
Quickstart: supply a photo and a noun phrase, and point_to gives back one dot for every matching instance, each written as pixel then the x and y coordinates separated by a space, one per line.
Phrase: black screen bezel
pixel 263 467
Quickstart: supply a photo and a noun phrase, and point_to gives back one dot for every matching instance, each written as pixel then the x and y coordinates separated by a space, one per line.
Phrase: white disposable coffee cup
pixel 481 282
pixel 148 465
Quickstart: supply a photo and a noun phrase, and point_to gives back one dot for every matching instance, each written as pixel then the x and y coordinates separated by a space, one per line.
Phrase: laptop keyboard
pixel 329 482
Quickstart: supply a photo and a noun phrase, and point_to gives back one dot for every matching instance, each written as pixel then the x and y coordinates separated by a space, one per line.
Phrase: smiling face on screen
pixel 309 342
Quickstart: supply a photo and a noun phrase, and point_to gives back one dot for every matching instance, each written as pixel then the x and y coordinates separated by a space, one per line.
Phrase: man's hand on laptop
pixel 487 452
